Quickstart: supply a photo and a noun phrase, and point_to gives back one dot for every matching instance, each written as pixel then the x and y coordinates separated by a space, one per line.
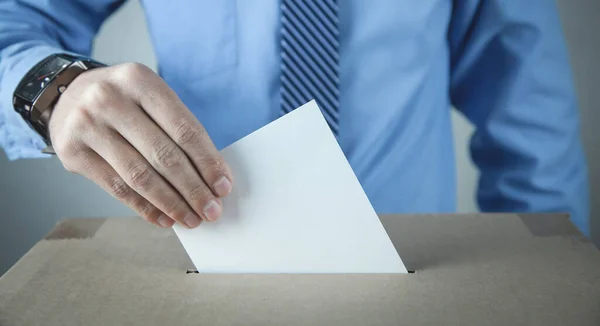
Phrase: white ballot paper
pixel 296 207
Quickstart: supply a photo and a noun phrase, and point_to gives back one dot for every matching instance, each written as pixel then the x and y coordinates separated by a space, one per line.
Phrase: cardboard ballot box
pixel 478 269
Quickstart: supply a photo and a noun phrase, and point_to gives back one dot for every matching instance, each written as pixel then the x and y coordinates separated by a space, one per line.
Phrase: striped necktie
pixel 309 57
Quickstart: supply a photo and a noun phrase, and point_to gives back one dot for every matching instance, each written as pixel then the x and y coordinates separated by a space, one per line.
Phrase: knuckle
pixel 70 166
pixel 218 164
pixel 133 71
pixel 173 208
pixel 80 119
pixel 67 145
pixel 139 175
pixel 98 93
pixel 168 156
pixel 63 146
pixel 212 164
pixel 145 209
pixel 147 218
pixel 199 193
pixel 119 188
pixel 185 134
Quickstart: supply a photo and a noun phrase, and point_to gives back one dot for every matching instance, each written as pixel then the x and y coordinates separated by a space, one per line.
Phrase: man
pixel 385 74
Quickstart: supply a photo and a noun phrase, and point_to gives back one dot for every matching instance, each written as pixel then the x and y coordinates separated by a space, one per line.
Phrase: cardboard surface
pixel 500 269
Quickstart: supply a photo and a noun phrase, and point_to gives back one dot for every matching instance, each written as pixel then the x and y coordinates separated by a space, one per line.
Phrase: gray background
pixel 34 194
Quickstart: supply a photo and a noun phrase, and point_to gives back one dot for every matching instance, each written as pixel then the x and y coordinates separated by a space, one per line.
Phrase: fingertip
pixel 165 221
pixel 212 210
pixel 223 186
pixel 192 221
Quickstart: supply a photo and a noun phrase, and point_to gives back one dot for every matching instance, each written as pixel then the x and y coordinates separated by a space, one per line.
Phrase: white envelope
pixel 296 207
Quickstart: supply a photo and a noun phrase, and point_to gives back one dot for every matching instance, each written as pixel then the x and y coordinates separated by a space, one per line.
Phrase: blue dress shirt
pixel 404 63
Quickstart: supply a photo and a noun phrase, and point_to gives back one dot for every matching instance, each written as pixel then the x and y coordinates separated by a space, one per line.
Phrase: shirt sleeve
pixel 30 30
pixel 510 77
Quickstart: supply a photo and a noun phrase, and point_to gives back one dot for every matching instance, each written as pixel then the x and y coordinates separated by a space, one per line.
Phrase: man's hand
pixel 126 130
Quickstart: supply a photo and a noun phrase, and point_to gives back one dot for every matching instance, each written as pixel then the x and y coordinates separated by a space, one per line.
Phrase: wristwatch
pixel 40 88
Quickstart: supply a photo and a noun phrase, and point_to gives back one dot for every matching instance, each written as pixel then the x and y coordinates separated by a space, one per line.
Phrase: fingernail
pixel 164 221
pixel 222 187
pixel 212 210
pixel 192 221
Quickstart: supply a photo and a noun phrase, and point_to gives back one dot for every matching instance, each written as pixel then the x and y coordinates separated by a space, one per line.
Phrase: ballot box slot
pixel 193 271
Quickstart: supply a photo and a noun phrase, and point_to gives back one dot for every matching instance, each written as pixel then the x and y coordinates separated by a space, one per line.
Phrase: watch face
pixel 41 77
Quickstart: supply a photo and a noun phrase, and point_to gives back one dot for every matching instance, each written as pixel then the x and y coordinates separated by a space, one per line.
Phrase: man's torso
pixel 223 60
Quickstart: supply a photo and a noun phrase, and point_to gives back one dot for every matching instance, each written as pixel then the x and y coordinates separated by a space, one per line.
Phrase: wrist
pixel 37 93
